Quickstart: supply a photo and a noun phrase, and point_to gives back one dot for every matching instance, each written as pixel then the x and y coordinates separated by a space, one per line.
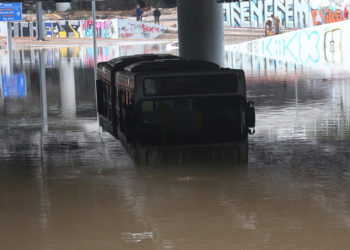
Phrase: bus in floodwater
pixel 166 108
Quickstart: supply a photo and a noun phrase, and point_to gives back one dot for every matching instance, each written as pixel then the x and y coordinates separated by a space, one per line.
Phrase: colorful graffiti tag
pixel 133 29
pixel 84 29
pixel 327 11
pixel 320 16
pixel 333 49
pixel 104 29
pixel 62 29
pixel 293 14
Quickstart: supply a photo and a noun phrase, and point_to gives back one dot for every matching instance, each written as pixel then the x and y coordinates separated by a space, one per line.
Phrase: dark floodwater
pixel 64 185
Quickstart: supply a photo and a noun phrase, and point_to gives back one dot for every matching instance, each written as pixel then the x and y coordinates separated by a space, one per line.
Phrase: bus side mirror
pixel 250 117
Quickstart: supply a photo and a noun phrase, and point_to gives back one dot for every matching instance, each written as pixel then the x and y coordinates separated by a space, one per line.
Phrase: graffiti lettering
pixel 307 53
pixel 88 28
pixel 293 14
pixel 320 16
pixel 126 35
pixel 333 46
pixel 147 28
pixel 133 29
pixel 62 29
pixel 113 28
pixel 23 29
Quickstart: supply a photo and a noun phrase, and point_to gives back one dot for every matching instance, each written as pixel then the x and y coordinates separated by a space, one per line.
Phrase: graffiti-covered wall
pixel 134 29
pixel 111 28
pixel 321 45
pixel 292 13
pixel 82 29
pixel 327 11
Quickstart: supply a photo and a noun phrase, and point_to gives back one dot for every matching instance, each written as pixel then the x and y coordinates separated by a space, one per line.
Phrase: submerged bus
pixel 166 108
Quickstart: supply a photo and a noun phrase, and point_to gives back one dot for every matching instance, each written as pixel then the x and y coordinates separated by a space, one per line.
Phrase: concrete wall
pixel 292 13
pixel 110 28
pixel 321 45
pixel 3 29
pixel 132 29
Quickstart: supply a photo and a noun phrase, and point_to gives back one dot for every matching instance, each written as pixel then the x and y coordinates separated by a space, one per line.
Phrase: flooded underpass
pixel 65 185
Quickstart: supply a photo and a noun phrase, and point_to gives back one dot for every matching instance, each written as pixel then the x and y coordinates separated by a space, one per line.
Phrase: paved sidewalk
pixel 19 42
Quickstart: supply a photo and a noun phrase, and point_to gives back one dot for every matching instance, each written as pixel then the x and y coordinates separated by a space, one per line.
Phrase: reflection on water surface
pixel 74 188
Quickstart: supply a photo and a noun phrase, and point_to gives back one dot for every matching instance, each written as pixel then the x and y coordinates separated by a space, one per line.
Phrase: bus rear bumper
pixel 231 154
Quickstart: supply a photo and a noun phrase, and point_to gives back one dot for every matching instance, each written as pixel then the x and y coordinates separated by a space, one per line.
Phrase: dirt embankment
pixel 168 16
pixel 167 13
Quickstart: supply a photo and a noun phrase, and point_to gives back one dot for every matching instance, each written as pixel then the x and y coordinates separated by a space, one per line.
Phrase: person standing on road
pixel 276 22
pixel 346 14
pixel 138 13
pixel 156 14
pixel 268 26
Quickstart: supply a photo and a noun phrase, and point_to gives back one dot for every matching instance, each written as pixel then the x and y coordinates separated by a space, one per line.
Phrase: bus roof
pixel 119 63
pixel 171 65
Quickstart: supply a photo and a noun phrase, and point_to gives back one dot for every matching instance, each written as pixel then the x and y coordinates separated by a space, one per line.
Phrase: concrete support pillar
pixel 201 30
pixel 2 105
pixel 1 99
pixel 63 6
pixel 67 87
pixel 9 45
pixel 39 19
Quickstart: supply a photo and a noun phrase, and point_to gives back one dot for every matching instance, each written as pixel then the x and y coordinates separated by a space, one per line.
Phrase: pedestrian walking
pixel 138 13
pixel 156 14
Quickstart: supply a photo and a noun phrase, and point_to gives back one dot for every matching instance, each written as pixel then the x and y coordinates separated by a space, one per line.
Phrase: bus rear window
pixel 190 85
pixel 191 120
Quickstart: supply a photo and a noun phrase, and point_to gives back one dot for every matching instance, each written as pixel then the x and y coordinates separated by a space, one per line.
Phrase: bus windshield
pixel 192 120
pixel 190 85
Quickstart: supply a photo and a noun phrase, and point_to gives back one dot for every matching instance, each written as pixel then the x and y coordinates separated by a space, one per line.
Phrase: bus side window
pixel 115 108
pixel 118 96
pixel 108 90
pixel 129 98
pixel 121 98
pixel 120 105
pixel 126 99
